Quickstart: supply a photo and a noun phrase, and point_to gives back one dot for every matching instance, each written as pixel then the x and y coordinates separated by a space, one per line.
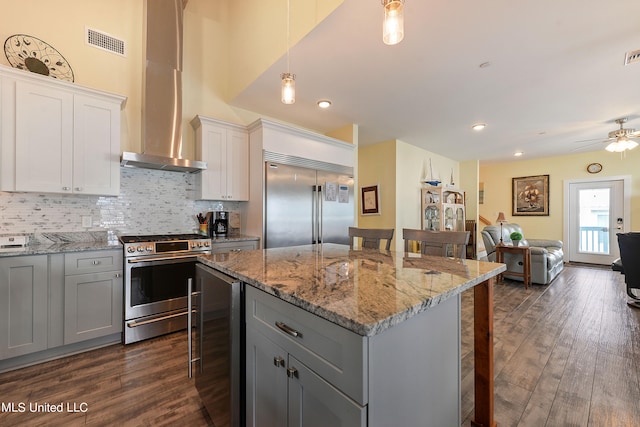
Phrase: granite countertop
pixel 366 291
pixel 61 242
pixel 54 248
pixel 52 243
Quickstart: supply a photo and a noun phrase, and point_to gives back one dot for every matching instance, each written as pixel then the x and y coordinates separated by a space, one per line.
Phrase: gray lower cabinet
pixel 23 305
pixel 92 300
pixel 287 350
pixel 303 370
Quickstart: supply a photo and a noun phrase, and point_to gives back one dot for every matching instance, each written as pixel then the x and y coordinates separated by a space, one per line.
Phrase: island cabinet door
pixel 313 402
pixel 266 382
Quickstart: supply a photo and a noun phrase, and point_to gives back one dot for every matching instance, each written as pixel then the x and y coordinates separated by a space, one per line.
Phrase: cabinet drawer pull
pixel 95 262
pixel 292 372
pixel 278 361
pixel 66 188
pixel 289 330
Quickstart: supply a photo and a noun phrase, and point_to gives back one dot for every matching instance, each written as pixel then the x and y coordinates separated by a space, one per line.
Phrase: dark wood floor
pixel 142 384
pixel 567 354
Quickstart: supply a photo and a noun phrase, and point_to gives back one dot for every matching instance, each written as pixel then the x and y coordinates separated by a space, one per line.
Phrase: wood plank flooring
pixel 567 354
pixel 141 384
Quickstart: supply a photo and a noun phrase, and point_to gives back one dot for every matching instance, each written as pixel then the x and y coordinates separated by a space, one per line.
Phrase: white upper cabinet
pixel 58 137
pixel 225 148
pixel 96 148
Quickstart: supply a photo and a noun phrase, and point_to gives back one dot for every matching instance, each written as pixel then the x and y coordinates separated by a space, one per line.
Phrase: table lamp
pixel 501 219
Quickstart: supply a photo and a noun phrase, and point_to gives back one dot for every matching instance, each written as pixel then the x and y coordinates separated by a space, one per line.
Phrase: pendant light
pixel 288 95
pixel 393 23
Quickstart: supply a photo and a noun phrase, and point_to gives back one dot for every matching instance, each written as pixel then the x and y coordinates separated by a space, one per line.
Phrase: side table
pixel 525 251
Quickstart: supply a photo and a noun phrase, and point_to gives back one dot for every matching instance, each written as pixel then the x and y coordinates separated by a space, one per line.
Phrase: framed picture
pixel 530 195
pixel 370 200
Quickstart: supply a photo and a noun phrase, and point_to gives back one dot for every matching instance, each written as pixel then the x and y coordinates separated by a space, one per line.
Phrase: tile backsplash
pixel 150 202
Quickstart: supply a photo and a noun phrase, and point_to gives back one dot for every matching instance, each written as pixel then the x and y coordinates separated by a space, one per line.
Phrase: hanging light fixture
pixel 622 143
pixel 288 95
pixel 393 23
pixel 288 88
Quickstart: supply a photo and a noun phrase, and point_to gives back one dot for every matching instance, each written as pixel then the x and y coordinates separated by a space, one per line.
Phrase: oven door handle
pixel 136 323
pixel 161 258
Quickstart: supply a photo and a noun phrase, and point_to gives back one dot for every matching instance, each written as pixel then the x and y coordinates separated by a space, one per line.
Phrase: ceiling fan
pixel 621 139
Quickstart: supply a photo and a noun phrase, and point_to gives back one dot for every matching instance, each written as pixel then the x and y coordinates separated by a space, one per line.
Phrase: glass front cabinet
pixel 442 209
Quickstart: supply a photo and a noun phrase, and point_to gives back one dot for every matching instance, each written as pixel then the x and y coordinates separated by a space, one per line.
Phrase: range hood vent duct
pixel 162 97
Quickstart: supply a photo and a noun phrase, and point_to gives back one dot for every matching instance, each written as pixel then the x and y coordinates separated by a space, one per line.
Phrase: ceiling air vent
pixel 105 41
pixel 632 57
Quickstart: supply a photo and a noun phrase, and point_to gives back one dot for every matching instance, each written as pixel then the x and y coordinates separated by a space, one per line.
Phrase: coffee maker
pixel 218 223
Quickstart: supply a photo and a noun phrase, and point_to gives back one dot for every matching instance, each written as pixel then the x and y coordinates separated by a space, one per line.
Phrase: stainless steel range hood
pixel 162 98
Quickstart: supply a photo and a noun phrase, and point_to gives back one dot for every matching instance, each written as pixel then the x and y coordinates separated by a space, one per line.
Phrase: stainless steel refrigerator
pixel 305 205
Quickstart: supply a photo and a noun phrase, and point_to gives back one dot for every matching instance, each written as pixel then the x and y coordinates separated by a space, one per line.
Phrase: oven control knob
pixel 131 249
pixel 149 248
pixel 140 248
pixel 206 244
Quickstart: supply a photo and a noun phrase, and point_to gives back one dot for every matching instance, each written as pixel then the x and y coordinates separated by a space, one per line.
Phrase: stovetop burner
pixel 160 238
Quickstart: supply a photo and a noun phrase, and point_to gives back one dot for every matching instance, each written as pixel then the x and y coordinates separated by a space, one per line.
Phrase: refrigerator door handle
pixel 314 214
pixel 319 213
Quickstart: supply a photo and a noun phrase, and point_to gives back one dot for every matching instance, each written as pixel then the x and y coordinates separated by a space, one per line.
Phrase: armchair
pixel 546 255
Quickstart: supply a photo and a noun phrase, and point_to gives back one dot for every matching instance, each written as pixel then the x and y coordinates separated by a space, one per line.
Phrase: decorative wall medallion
pixel 32 54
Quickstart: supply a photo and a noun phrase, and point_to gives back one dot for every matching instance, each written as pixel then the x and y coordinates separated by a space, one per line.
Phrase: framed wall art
pixel 530 195
pixel 370 200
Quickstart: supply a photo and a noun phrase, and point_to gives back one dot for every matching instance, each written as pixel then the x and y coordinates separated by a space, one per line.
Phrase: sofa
pixel 546 255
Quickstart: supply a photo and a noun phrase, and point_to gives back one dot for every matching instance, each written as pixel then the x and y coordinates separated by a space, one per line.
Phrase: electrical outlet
pixel 86 221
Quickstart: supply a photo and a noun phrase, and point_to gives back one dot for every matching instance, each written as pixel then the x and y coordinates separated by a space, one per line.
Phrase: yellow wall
pixel 258 36
pixel 497 187
pixel 469 182
pixel 226 45
pixel 347 133
pixel 399 168
pixel 377 165
pixel 62 25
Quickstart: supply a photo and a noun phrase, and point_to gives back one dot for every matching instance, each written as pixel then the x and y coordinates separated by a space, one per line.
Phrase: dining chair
pixel 370 237
pixel 438 243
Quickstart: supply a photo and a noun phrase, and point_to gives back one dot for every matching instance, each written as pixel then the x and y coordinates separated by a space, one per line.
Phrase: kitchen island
pixel 378 331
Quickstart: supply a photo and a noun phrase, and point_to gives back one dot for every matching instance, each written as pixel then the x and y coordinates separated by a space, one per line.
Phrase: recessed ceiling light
pixel 324 103
pixel 479 126
pixel 518 153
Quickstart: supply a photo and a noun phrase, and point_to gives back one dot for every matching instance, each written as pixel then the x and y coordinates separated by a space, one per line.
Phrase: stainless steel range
pixel 157 269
